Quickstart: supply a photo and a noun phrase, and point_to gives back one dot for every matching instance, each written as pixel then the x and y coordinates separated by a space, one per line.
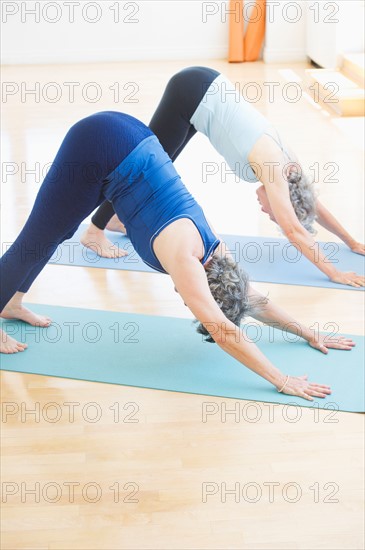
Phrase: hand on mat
pixel 358 248
pixel 298 385
pixel 324 341
pixel 349 278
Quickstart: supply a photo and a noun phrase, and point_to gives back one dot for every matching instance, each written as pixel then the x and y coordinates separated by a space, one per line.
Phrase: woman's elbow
pixel 294 232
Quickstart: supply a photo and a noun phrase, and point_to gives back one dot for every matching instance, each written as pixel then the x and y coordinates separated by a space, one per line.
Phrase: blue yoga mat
pixel 168 354
pixel 265 259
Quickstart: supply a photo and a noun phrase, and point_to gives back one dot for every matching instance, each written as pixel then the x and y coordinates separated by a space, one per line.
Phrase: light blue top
pixel 232 125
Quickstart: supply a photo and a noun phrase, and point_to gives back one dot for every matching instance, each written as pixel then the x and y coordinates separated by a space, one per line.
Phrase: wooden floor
pixel 163 478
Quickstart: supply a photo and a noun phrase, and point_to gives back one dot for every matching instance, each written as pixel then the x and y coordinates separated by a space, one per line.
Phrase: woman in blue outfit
pixel 114 156
pixel 199 99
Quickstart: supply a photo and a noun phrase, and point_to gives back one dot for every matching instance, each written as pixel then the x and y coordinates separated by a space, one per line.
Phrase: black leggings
pixel 171 121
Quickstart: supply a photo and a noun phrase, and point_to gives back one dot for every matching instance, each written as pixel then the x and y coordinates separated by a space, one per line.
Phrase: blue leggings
pixel 72 189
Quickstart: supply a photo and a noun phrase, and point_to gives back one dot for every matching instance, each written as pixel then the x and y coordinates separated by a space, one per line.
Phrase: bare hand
pixel 298 385
pixel 349 278
pixel 323 342
pixel 358 248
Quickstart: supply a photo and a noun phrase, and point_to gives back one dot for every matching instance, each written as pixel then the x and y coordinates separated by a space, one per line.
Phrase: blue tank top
pixel 147 194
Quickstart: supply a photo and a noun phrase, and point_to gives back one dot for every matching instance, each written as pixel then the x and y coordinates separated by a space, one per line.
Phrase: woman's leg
pixel 95 239
pixel 20 261
pixel 189 135
pixel 14 309
pixel 183 93
pixel 94 236
pixel 103 214
pixel 170 122
pixel 72 189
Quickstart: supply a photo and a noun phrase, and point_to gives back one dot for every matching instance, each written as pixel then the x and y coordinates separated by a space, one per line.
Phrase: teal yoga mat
pixel 167 354
pixel 265 259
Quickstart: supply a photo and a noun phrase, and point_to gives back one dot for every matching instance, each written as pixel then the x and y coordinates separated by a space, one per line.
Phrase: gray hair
pixel 303 199
pixel 229 287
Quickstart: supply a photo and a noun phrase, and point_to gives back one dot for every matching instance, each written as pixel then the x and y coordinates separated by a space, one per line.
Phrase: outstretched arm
pixel 278 195
pixel 191 282
pixel 329 222
pixel 267 154
pixel 272 315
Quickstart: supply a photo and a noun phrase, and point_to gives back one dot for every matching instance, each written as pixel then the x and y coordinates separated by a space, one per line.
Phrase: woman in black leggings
pixel 202 99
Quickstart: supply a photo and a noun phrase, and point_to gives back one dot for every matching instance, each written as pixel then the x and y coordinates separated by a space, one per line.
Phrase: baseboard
pixel 272 55
pixel 98 55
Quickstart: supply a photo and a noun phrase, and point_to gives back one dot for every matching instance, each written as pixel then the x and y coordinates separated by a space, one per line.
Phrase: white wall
pixel 136 30
pixel 285 38
pixel 319 29
pixel 333 29
pixel 123 30
pixel 66 31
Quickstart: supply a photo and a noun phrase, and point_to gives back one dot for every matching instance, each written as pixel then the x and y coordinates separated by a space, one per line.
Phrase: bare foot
pixel 95 239
pixel 11 311
pixel 116 225
pixel 9 345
